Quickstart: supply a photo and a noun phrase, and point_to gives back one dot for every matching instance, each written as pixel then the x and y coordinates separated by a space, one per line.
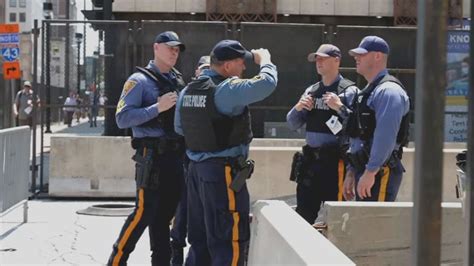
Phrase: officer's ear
pixel 227 66
pixel 156 47
pixel 379 56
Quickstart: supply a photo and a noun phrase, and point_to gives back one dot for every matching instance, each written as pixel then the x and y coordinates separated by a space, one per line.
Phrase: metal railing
pixel 14 169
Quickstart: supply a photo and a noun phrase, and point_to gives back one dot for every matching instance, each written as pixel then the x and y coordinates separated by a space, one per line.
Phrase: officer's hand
pixel 366 182
pixel 349 186
pixel 305 102
pixel 166 101
pixel 332 100
pixel 261 56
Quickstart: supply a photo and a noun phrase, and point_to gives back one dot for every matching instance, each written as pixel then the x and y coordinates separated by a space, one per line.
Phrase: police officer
pixel 203 63
pixel 179 229
pixel 321 168
pixel 212 113
pixel 147 106
pixel 378 127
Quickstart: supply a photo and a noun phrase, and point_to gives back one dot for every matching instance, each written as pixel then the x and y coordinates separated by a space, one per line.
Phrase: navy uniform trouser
pixel 179 230
pixel 218 217
pixel 387 183
pixel 154 208
pixel 322 182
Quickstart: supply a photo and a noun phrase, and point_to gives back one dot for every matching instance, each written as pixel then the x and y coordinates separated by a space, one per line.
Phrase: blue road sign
pixel 11 54
pixel 9 38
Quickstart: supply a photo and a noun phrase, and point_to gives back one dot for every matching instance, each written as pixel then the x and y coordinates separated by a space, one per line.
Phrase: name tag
pixel 334 125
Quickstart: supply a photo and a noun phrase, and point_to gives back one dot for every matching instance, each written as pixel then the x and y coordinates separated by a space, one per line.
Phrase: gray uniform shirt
pixel 21 101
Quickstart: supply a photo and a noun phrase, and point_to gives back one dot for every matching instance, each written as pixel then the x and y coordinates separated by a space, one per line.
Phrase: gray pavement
pixel 56 235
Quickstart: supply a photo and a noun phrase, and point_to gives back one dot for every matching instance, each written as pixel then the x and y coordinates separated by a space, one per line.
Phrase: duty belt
pixel 323 152
pixel 160 144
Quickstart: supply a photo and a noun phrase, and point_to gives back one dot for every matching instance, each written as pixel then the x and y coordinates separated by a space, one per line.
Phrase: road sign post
pixel 9 52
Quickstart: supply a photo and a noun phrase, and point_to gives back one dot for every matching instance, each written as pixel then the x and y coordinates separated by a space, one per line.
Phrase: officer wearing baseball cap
pixel 179 229
pixel 378 127
pixel 213 116
pixel 170 38
pixel 319 168
pixel 371 44
pixel 203 63
pixel 147 106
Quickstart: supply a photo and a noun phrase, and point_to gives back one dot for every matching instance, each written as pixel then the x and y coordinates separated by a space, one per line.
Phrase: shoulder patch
pixel 128 86
pixel 257 77
pixel 236 81
pixel 239 80
pixel 120 106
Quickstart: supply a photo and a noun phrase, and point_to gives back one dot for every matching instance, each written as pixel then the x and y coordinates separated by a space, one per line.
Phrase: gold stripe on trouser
pixel 340 182
pixel 131 226
pixel 235 216
pixel 384 183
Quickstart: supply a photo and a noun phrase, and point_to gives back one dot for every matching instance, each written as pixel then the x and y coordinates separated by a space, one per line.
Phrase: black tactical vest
pixel 321 113
pixel 205 129
pixel 165 120
pixel 362 123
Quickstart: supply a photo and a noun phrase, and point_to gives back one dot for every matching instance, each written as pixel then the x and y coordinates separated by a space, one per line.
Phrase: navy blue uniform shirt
pixel 390 103
pixel 231 98
pixel 138 103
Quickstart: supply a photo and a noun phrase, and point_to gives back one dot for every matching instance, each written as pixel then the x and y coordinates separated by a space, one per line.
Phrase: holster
pixel 146 175
pixel 242 170
pixel 297 167
pixel 359 159
pixel 302 161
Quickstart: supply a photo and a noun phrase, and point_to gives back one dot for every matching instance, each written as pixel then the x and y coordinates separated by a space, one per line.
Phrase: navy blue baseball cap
pixel 325 50
pixel 371 44
pixel 226 50
pixel 170 38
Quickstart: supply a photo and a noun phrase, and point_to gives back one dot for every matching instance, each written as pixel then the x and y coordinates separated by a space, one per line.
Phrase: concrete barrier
pixel 101 167
pixel 373 233
pixel 279 236
pixel 273 161
pixel 91 167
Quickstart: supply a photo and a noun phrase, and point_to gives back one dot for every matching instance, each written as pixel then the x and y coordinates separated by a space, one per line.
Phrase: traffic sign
pixel 11 70
pixel 9 34
pixel 10 54
pixel 10 51
pixel 6 38
pixel 9 28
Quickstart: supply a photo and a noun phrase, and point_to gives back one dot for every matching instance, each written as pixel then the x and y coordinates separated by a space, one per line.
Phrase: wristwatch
pixel 343 110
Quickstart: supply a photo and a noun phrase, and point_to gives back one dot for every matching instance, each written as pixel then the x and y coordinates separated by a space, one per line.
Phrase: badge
pixel 128 86
pixel 334 125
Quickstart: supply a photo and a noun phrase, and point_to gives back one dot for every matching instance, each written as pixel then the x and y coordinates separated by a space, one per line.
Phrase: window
pixel 12 17
pixel 22 17
pixel 12 3
pixel 22 3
